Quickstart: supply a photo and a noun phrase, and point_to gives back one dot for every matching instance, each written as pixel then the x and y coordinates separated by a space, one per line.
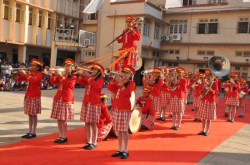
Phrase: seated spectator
pixel 8 85
pixel 2 84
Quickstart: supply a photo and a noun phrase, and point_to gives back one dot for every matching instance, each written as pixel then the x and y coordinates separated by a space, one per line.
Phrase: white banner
pixel 246 0
pixel 93 6
pixel 173 3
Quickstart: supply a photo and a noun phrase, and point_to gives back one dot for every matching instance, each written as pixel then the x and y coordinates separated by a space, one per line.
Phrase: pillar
pixel 12 19
pixel 53 55
pixel 22 53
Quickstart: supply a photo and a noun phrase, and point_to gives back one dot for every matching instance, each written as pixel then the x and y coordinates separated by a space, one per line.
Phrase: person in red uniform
pixel 105 122
pixel 207 111
pixel 243 99
pixel 191 81
pixel 177 100
pixel 123 86
pixel 165 96
pixel 32 98
pixel 63 102
pixel 129 39
pixel 232 99
pixel 197 94
pixel 155 87
pixel 92 104
pixel 145 103
pixel 185 75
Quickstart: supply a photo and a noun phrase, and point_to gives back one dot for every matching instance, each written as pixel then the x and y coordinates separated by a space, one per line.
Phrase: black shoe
pixel 159 118
pixel 91 147
pixel 228 120
pixel 31 136
pixel 152 123
pixel 124 155
pixel 163 119
pixel 206 134
pixel 195 119
pixel 242 116
pixel 170 115
pixel 118 153
pixel 199 120
pixel 173 127
pixel 105 139
pixel 57 140
pixel 62 140
pixel 201 133
pixel 232 121
pixel 192 109
pixel 177 128
pixel 25 136
pixel 188 103
pixel 86 145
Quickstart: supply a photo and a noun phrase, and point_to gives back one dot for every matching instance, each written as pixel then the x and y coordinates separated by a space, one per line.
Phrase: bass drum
pixel 133 100
pixel 135 120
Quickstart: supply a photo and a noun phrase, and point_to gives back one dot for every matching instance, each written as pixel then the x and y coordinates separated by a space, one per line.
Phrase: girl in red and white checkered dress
pixel 207 111
pixel 122 86
pixel 32 99
pixel 63 102
pixel 177 100
pixel 165 96
pixel 105 122
pixel 232 99
pixel 91 105
pixel 243 100
pixel 145 103
pixel 197 95
pixel 155 86
pixel 190 91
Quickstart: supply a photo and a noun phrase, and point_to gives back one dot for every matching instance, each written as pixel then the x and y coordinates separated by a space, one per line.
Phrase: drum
pixel 136 120
pixel 132 100
pixel 242 94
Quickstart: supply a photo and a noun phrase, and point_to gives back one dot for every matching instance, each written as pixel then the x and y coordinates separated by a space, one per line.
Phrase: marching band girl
pixel 91 105
pixel 63 102
pixel 32 99
pixel 243 100
pixel 123 86
pixel 207 110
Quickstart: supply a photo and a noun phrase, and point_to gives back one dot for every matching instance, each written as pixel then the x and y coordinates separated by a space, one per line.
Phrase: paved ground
pixel 13 124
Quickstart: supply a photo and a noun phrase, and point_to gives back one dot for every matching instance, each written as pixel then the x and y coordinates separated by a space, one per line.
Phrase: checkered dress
pixel 156 103
pixel 90 113
pixel 243 102
pixel 177 105
pixel 121 120
pixel 207 110
pixel 104 131
pixel 32 106
pixel 146 121
pixel 230 101
pixel 62 111
pixel 196 102
pixel 165 99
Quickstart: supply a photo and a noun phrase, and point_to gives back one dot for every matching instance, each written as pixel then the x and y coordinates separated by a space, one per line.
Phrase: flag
pixel 246 0
pixel 173 3
pixel 93 6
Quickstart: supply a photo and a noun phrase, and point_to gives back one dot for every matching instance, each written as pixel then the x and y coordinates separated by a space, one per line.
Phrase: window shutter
pixel 197 28
pixel 43 22
pixel 52 24
pixel 207 28
pixel 10 13
pixel 238 25
pixel 33 19
pixel 22 16
pixel 217 26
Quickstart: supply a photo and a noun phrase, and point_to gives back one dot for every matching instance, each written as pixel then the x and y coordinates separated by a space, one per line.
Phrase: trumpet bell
pixel 219 65
pixel 138 63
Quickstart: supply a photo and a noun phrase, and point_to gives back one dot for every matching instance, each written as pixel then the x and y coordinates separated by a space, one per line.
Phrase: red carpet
pixel 161 145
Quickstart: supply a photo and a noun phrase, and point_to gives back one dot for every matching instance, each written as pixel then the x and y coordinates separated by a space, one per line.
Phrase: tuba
pixel 219 66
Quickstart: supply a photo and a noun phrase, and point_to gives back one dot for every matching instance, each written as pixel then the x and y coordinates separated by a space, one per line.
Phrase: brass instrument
pixel 57 69
pixel 16 70
pixel 207 87
pixel 87 70
pixel 172 81
pixel 138 63
pixel 146 72
pixel 110 73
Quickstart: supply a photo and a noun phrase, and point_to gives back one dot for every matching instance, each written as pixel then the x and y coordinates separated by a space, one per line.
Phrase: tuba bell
pixel 219 65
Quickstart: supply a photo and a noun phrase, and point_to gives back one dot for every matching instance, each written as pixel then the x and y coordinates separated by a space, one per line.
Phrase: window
pixel 40 20
pixel 89 53
pixel 139 27
pixel 237 67
pixel 92 16
pixel 211 53
pixel 177 51
pixel 201 66
pixel 146 28
pixel 178 26
pixel 243 25
pixel 244 75
pixel 49 22
pixel 156 32
pixel 173 64
pixel 246 54
pixel 30 18
pixel 6 12
pixel 189 2
pixel 201 52
pixel 171 51
pixel 238 54
pixel 207 26
pixel 216 1
pixel 245 68
pixel 242 53
pixel 18 15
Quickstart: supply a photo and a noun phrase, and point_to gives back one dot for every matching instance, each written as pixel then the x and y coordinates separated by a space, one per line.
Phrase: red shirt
pixel 210 96
pixel 156 89
pixel 105 117
pixel 245 89
pixel 93 89
pixel 164 87
pixel 129 39
pixel 56 80
pixel 146 105
pixel 234 93
pixel 34 80
pixel 68 86
pixel 122 95
pixel 187 85
pixel 198 89
pixel 180 91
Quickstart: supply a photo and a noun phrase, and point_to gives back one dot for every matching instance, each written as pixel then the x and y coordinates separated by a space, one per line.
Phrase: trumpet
pixel 16 70
pixel 87 70
pixel 110 73
pixel 57 69
pixel 146 72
